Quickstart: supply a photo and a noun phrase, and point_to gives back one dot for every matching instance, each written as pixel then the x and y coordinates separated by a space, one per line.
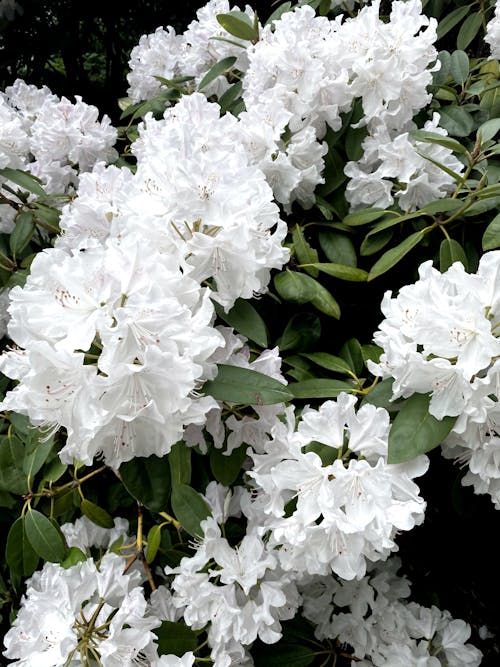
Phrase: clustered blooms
pixel 116 321
pixel 441 336
pixel 373 616
pixel 52 138
pixel 302 75
pixel 492 36
pixel 325 494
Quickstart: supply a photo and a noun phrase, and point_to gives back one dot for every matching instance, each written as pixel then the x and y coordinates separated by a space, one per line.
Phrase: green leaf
pixel 45 539
pixel 469 29
pixel 375 241
pixel 54 470
pixel 324 301
pixel 219 68
pixel 394 255
pixel 442 206
pixel 36 453
pixel 491 236
pixel 435 138
pixel 451 20
pixel 353 355
pixel 363 216
pixel 179 459
pixel 456 121
pixel 459 67
pixel 488 130
pixel 338 248
pixel 342 272
pixel 175 638
pixel 73 556
pixel 22 233
pixel 24 180
pixel 283 654
pixel 302 332
pixel 238 24
pixel 451 251
pixel 47 216
pixel 381 396
pixel 330 362
pixel 153 543
pixel 148 481
pixel 415 431
pixel 371 353
pixel 245 320
pixel 230 96
pixel 440 76
pixel 319 388
pixel 227 468
pixel 190 508
pixel 282 9
pixel 96 514
pixel 303 251
pixel 245 386
pixel 12 478
pixel 294 287
pixel 19 554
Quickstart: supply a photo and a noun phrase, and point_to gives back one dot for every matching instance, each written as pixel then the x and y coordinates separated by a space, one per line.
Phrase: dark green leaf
pixel 175 638
pixel 353 355
pixel 442 206
pixel 43 536
pixel 96 514
pixel 469 29
pixel 190 508
pixel 12 478
pixel 283 654
pixel 394 255
pixel 54 470
pixel 489 129
pixel 319 388
pixel 324 301
pixel 338 248
pixel 24 180
pixel 342 272
pixel 375 241
pixel 451 20
pixel 245 320
pixel 294 287
pixel 36 453
pixel 243 385
pixel 238 24
pixel 230 96
pixel 456 121
pixel 354 138
pixel 415 431
pixel 153 543
pixel 491 236
pixel 451 251
pixel 303 251
pixel 19 554
pixel 440 76
pixel 381 396
pixel 302 332
pixel 22 233
pixel 459 67
pixel 363 216
pixel 227 468
pixel 282 9
pixel 330 362
pixel 219 68
pixel 371 353
pixel 179 459
pixel 73 556
pixel 148 481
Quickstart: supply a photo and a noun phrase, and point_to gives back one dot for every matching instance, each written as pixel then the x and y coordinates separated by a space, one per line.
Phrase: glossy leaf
pixel 457 121
pixel 330 362
pixel 394 255
pixel 352 354
pixel 364 216
pixel 239 25
pixel 434 138
pixel 190 508
pixel 227 468
pixel 243 385
pixel 45 539
pixel 319 388
pixel 302 332
pixel 491 236
pixel 179 460
pixel 175 638
pixel 153 543
pixel 489 129
pixel 294 287
pixel 22 233
pixel 415 431
pixel 338 248
pixel 469 29
pixel 24 181
pixel 219 68
pixel 19 554
pixel 148 481
pixel 245 320
pixel 96 514
pixel 451 20
pixel 304 253
pixel 459 66
pixel 451 251
pixel 342 272
pixel 325 302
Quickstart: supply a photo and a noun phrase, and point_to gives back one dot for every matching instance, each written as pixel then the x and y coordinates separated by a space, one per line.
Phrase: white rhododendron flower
pixel 492 36
pixel 326 511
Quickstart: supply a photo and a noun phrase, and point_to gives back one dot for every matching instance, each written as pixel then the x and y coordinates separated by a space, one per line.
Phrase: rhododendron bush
pixel 244 332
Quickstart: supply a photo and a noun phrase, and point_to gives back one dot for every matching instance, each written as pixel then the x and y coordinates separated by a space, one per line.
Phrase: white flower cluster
pixel 115 322
pixel 325 494
pixel 168 55
pixel 492 36
pixel 373 617
pixel 52 138
pixel 441 336
pixel 240 593
pixel 300 76
pixel 91 612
